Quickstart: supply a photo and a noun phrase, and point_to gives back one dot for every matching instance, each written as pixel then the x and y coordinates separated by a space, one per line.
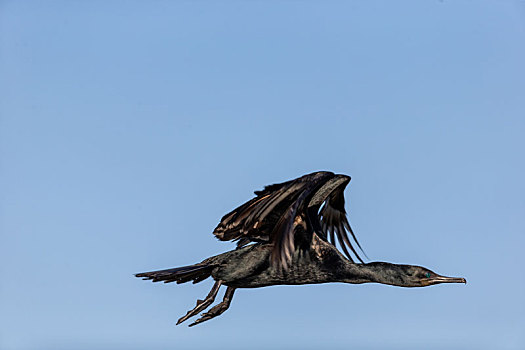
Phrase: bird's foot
pixel 213 312
pixel 202 304
pixel 217 309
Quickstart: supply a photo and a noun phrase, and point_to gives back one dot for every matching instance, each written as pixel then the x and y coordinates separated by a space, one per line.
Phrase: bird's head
pixel 419 276
pixel 408 275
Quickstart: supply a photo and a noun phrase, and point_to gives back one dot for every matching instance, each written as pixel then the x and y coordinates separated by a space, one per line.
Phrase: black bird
pixel 293 226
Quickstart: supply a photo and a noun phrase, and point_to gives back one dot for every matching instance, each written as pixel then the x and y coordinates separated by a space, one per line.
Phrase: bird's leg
pixel 202 304
pixel 217 309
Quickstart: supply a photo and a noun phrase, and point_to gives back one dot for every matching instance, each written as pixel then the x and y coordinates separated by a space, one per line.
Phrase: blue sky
pixel 128 128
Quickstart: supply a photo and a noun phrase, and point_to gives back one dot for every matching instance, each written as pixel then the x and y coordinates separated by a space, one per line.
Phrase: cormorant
pixel 293 226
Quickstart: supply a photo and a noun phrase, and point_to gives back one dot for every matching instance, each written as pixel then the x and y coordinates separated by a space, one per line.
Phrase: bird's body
pixel 291 226
pixel 250 267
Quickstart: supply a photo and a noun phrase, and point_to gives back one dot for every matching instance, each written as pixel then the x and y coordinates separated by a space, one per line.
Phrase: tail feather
pixel 197 273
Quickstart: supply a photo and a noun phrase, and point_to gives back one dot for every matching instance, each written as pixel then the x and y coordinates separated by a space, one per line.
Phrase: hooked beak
pixel 442 279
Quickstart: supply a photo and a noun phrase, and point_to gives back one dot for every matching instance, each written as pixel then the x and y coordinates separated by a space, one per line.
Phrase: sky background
pixel 128 128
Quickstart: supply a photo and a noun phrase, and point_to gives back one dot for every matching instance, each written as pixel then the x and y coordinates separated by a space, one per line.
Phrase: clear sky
pixel 128 128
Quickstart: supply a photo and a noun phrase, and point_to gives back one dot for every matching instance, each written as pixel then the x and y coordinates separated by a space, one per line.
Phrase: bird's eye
pixel 427 275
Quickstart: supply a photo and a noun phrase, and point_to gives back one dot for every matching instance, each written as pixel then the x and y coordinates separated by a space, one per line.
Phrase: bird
pixel 290 233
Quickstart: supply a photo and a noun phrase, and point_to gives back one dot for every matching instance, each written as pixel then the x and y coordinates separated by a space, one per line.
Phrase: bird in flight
pixel 287 235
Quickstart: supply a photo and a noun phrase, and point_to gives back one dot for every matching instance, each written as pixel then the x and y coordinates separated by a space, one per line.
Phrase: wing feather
pixel 247 220
pixel 334 222
pixel 273 214
pixel 283 233
pixel 269 217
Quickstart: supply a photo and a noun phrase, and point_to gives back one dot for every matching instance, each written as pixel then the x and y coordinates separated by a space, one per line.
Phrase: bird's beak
pixel 442 279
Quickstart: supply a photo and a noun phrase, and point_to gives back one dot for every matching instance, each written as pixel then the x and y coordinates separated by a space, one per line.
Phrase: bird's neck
pixel 374 272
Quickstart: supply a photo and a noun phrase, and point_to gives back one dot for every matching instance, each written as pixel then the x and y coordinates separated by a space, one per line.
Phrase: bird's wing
pixel 254 220
pixel 271 214
pixel 332 217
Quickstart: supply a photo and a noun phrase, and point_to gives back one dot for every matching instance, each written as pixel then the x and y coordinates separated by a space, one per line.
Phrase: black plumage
pixel 294 226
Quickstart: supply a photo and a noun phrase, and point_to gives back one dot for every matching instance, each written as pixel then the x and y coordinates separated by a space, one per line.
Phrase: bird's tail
pixel 197 273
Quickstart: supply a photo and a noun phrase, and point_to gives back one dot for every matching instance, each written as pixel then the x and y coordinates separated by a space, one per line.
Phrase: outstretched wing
pixel 273 214
pixel 334 223
pixel 269 217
